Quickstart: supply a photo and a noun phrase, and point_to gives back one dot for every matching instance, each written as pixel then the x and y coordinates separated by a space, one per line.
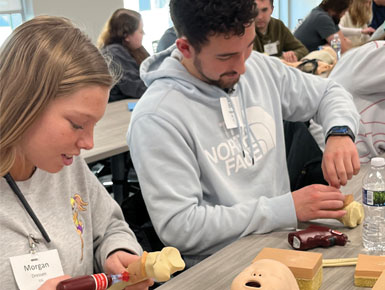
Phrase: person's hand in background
pixel 289 56
pixel 368 30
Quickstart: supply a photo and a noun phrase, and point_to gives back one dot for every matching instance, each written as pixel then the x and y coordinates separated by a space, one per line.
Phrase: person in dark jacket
pixel 378 13
pixel 167 39
pixel 320 26
pixel 273 37
pixel 121 41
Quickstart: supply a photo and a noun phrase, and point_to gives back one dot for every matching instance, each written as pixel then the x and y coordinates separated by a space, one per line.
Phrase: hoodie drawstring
pixel 238 124
pixel 240 130
pixel 248 130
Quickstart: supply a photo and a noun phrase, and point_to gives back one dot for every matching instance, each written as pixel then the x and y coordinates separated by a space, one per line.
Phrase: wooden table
pixel 217 271
pixel 110 132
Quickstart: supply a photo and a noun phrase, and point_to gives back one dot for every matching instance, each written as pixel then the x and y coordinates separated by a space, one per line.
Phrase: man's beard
pixel 220 82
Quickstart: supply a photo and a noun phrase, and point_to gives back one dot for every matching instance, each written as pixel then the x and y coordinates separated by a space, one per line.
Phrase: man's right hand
pixel 51 284
pixel 318 201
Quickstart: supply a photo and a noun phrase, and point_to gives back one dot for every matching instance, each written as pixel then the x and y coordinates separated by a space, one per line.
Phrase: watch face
pixel 340 130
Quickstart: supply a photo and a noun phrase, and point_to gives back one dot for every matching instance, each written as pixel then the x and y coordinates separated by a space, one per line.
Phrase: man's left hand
pixel 340 160
pixel 289 56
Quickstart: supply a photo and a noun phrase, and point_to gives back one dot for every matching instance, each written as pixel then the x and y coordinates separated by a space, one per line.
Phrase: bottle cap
pixel 377 162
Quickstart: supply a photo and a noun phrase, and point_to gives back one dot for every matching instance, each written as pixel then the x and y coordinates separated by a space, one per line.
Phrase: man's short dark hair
pixel 199 19
pixel 335 5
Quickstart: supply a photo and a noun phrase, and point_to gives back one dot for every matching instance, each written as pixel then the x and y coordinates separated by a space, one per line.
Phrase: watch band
pixel 340 131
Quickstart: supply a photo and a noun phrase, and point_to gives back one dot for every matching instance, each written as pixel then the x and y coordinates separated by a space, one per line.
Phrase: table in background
pixel 110 141
pixel 217 271
pixel 110 132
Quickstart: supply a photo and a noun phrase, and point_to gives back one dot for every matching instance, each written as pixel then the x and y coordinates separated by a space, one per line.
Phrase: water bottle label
pixel 373 198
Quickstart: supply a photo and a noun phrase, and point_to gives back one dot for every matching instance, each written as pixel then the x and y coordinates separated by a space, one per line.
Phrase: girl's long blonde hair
pixel 360 13
pixel 43 59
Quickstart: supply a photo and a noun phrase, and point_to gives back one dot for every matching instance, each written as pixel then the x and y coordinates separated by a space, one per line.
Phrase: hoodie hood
pixel 167 65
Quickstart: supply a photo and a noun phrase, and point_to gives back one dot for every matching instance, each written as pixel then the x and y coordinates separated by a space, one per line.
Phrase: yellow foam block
pixel 380 284
pixel 306 266
pixel 368 270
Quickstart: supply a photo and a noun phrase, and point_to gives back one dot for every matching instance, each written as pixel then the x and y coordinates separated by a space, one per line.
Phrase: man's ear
pixel 185 47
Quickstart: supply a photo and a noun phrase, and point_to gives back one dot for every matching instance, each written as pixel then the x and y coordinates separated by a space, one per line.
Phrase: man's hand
pixel 340 160
pixel 117 263
pixel 318 201
pixel 289 56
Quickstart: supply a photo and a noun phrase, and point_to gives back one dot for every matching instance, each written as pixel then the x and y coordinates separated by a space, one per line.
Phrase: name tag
pixel 32 270
pixel 271 48
pixel 229 109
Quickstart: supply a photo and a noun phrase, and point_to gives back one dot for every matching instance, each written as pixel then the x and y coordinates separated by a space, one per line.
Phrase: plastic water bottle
pixel 336 45
pixel 373 199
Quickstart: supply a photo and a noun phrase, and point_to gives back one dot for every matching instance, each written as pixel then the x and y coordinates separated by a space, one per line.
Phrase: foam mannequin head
pixel 265 274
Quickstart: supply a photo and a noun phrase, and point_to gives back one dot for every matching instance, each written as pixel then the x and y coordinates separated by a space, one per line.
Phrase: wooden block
pixel 380 284
pixel 368 270
pixel 306 266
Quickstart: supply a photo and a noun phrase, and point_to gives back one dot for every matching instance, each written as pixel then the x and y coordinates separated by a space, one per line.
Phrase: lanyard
pixel 26 205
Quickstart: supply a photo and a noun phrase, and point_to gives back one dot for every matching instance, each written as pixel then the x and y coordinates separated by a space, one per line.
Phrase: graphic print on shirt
pixel 372 131
pixel 78 205
pixel 262 136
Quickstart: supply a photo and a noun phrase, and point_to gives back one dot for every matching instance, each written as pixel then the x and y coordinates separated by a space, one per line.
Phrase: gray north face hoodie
pixel 205 182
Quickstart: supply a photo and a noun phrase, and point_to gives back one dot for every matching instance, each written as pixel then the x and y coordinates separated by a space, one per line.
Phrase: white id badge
pixel 271 48
pixel 229 110
pixel 32 270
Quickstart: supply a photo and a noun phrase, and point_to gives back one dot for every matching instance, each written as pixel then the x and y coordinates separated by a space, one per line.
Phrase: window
pixel 156 19
pixel 156 16
pixel 299 11
pixel 11 15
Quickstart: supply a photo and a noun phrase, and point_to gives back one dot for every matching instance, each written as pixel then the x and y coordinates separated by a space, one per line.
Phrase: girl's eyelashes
pixel 75 126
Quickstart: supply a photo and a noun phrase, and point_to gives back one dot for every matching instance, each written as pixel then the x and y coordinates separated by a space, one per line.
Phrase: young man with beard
pixel 321 24
pixel 273 37
pixel 207 141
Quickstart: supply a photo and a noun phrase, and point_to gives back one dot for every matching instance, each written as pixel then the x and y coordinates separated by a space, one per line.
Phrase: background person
pixel 54 87
pixel 273 37
pixel 368 95
pixel 168 38
pixel 354 24
pixel 121 40
pixel 319 27
pixel 207 141
pixel 378 13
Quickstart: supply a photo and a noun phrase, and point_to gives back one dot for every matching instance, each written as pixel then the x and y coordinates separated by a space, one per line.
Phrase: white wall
pixel 299 9
pixel 89 15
